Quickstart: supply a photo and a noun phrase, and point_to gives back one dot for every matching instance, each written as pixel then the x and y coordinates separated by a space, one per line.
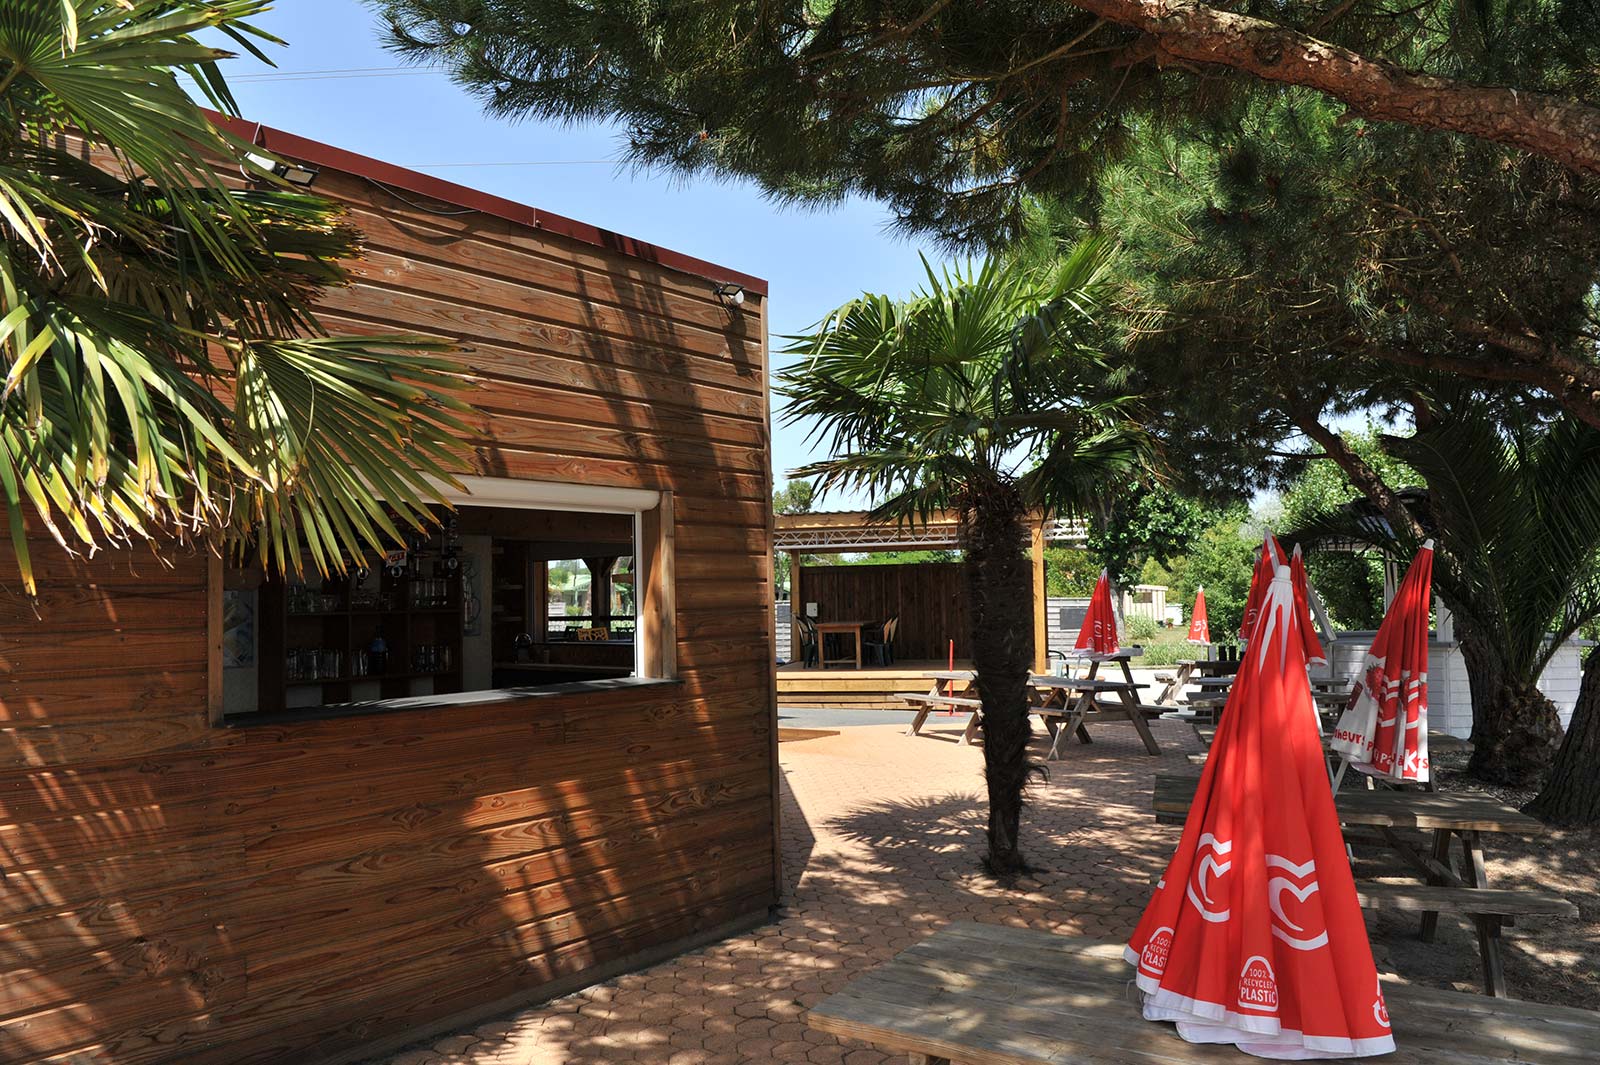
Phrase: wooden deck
pixel 863 689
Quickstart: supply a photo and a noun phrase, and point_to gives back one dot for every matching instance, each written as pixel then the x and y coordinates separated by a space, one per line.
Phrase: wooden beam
pixel 1041 621
pixel 214 633
pixel 796 606
pixel 657 605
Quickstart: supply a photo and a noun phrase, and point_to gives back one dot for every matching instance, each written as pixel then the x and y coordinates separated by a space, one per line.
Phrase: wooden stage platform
pixel 866 689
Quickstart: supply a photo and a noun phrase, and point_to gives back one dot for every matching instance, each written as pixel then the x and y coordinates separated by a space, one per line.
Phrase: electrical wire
pixel 329 72
pixel 258 79
pixel 523 162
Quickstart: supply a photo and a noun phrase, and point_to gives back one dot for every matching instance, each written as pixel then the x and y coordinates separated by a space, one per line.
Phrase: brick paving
pixel 881 837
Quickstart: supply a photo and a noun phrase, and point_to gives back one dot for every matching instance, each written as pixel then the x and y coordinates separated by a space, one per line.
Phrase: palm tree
pixel 164 373
pixel 981 394
pixel 1513 502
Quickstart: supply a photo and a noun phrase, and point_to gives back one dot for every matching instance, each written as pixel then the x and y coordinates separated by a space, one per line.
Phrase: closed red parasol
pixel 1267 562
pixel 1384 730
pixel 1302 603
pixel 1098 636
pixel 1254 935
pixel 1199 626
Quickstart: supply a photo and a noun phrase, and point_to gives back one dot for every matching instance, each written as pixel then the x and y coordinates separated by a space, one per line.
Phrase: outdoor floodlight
pixel 730 293
pixel 294 173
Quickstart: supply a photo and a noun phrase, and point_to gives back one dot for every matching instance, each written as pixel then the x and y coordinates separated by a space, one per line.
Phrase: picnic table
pixel 952 689
pixel 1120 657
pixel 994 995
pixel 1449 816
pixel 1068 704
pixel 840 628
pixel 1185 675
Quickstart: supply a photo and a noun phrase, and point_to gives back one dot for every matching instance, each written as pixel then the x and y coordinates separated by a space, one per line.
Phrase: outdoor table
pixel 986 994
pixel 951 688
pixel 1120 657
pixel 1447 815
pixel 1215 667
pixel 1175 682
pixel 826 628
pixel 1073 700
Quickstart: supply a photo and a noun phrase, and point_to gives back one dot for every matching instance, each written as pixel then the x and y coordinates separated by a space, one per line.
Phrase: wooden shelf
pixel 375 677
pixel 351 629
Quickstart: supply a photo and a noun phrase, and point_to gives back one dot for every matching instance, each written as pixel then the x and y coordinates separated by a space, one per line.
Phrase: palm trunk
pixel 1572 795
pixel 999 597
pixel 1515 729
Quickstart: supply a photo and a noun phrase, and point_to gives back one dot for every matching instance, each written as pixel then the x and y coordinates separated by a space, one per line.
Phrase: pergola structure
pixel 842 532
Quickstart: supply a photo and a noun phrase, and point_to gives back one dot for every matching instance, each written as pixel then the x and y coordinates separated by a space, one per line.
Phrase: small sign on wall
pixel 811 610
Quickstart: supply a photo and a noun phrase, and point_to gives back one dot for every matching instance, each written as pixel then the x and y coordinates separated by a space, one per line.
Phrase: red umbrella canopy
pixel 1267 562
pixel 1199 626
pixel 1302 602
pixel 1384 730
pixel 1098 636
pixel 1254 935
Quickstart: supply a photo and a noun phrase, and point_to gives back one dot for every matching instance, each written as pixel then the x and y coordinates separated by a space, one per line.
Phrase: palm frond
pixel 162 371
pixel 991 373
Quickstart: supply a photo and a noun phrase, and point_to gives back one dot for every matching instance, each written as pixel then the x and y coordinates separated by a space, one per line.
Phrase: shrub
pixel 1141 628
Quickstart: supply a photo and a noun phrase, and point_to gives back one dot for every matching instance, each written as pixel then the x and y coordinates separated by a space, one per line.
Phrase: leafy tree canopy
pixel 955 113
pixel 1220 559
pixel 1144 523
pixel 793 498
pixel 165 373
pixel 1282 268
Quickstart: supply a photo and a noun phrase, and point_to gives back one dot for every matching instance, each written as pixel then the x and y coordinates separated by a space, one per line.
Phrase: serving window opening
pixel 496 598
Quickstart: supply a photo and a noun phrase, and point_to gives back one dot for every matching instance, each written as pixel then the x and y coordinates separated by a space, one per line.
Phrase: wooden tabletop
pixel 842 624
pixel 951 674
pixel 995 995
pixel 1457 811
pixel 1082 684
pixel 1119 655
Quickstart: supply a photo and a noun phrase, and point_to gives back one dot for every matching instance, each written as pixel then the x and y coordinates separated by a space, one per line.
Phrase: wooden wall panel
pixel 175 891
pixel 929 597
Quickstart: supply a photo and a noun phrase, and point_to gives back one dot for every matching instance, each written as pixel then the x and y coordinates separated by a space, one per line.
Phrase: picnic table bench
pixel 1068 704
pixel 952 690
pixel 974 994
pixel 1449 816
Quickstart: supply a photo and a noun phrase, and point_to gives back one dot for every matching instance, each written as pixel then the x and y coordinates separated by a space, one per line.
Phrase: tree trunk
pixel 1515 729
pixel 999 598
pixel 1572 794
pixel 1564 130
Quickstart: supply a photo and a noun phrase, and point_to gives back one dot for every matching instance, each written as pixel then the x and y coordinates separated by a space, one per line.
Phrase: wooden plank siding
pixel 929 597
pixel 172 890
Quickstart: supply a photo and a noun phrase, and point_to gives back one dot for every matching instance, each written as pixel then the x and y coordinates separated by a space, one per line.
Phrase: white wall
pixel 1449 690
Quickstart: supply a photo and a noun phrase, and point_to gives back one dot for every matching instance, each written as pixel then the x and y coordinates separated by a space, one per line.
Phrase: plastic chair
pixel 881 650
pixel 809 654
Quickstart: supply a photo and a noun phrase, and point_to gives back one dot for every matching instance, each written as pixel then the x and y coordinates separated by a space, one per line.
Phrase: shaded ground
pixel 881 841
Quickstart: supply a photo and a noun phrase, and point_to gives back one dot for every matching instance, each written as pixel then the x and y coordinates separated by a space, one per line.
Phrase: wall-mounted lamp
pixel 730 293
pixel 294 173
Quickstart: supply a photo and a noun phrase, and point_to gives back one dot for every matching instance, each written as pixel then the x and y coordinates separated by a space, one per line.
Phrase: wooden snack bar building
pixel 247 820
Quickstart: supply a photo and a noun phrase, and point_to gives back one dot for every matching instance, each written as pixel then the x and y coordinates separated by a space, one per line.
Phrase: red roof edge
pixel 305 150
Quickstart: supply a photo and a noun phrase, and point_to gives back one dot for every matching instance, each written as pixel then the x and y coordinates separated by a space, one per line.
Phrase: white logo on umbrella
pixel 1208 868
pixel 1283 927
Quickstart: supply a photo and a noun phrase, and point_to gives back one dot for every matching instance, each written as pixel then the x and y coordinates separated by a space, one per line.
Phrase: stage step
pixel 865 689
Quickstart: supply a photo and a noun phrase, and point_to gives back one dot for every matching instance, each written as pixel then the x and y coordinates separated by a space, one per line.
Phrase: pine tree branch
pixel 1184 30
pixel 1368 480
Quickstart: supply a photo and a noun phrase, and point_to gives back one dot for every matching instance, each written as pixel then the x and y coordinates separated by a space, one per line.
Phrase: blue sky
pixel 814 260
